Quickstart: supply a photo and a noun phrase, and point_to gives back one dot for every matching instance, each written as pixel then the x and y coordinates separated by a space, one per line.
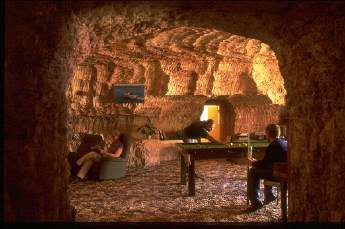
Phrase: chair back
pixel 280 170
pixel 115 168
pixel 88 141
pixel 128 141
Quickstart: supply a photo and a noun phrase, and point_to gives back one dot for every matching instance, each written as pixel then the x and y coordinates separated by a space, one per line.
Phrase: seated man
pixel 263 169
pixel 96 154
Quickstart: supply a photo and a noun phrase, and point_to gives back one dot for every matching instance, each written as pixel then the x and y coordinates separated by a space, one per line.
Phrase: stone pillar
pixel 316 122
pixel 40 41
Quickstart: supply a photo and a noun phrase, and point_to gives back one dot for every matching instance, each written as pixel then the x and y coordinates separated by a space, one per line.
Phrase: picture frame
pixel 129 93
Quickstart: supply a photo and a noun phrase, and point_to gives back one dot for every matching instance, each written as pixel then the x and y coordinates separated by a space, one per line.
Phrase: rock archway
pixel 46 40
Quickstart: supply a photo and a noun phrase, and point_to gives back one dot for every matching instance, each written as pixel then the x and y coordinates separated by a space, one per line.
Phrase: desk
pixel 207 151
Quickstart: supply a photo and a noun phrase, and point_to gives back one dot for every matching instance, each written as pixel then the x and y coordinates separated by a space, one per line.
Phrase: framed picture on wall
pixel 129 93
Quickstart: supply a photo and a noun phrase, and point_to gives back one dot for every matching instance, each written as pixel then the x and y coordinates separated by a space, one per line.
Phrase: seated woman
pixel 85 162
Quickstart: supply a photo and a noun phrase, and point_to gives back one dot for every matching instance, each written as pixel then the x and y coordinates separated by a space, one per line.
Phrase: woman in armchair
pixel 97 154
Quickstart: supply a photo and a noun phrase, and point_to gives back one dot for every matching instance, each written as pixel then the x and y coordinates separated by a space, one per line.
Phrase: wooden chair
pixel 280 180
pixel 274 184
pixel 249 157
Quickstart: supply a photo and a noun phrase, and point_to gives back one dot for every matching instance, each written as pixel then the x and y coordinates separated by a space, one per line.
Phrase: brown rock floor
pixel 155 195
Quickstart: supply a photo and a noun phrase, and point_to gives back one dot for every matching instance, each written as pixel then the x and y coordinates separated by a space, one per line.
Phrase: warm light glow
pixel 204 114
pixel 212 112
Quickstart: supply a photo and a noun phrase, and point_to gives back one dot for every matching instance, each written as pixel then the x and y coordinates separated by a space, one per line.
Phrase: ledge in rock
pixel 151 152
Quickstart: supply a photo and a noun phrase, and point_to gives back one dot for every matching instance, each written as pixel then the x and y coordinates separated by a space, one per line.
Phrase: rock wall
pixel 47 39
pixel 316 113
pixel 146 153
pixel 264 115
pixel 171 113
pixel 179 61
pixel 254 113
pixel 41 49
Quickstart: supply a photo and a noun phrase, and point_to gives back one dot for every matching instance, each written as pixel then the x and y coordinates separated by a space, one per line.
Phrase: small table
pixel 206 151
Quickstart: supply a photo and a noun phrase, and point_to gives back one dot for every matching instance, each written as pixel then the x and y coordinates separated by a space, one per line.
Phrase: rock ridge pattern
pixel 174 63
pixel 46 41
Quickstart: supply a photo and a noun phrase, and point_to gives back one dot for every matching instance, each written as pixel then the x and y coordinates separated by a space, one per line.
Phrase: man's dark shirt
pixel 275 152
pixel 89 142
pixel 196 130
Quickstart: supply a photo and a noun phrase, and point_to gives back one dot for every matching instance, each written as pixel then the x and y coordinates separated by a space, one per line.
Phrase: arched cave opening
pixel 75 45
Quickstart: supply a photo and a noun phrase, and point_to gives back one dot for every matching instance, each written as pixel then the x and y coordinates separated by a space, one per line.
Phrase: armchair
pixel 114 168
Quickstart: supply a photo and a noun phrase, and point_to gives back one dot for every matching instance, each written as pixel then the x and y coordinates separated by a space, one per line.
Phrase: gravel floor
pixel 155 195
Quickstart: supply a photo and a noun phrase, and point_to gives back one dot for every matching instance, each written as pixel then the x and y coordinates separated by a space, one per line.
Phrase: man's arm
pixel 256 163
pixel 268 159
pixel 117 153
pixel 209 137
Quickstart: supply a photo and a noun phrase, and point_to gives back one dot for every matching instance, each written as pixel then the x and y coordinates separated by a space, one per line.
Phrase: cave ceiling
pixel 192 61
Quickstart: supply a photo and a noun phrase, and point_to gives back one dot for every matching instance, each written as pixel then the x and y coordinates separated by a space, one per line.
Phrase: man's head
pixel 209 125
pixel 272 131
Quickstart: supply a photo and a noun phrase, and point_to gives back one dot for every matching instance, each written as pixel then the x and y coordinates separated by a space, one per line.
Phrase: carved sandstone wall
pixel 46 40
pixel 182 61
pixel 178 61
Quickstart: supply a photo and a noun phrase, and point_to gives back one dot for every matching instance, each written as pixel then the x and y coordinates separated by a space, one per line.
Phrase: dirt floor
pixel 156 195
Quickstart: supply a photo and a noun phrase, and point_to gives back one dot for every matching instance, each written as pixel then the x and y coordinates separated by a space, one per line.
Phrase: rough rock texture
pixel 147 153
pixel 178 61
pixel 172 113
pixel 46 41
pixel 253 113
pixel 182 61
pixel 41 50
pixel 174 61
pixel 316 106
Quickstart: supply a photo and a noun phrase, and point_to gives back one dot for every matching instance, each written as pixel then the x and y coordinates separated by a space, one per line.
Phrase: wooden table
pixel 207 151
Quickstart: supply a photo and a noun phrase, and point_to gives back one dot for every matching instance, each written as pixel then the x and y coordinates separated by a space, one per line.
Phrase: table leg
pixel 247 187
pixel 191 175
pixel 284 201
pixel 183 169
